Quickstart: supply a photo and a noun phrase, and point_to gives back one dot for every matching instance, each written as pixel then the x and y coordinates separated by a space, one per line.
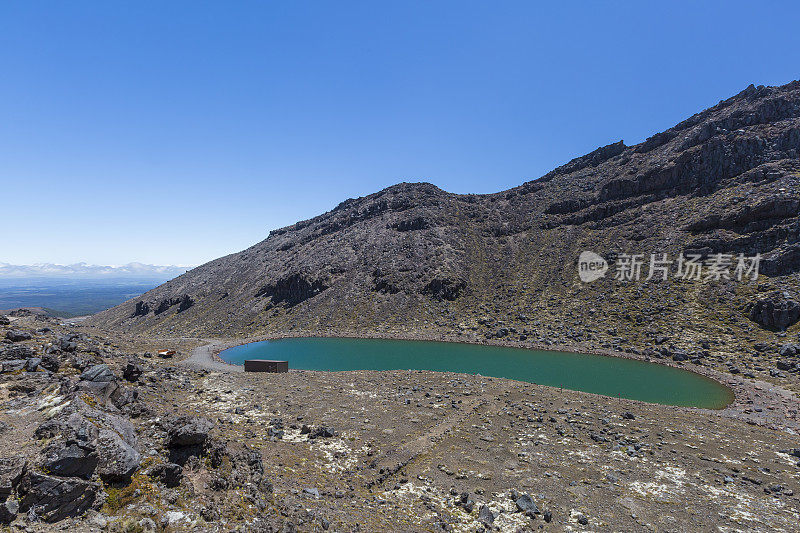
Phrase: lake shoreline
pixel 607 376
pixel 775 400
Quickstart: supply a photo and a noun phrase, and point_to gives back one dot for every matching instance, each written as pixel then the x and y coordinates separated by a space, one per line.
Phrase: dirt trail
pixel 394 460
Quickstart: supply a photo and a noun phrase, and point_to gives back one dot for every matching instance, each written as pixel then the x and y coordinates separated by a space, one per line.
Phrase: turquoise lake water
pixel 611 376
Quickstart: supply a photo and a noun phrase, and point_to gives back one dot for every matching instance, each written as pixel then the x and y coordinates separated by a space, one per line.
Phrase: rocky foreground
pixel 101 436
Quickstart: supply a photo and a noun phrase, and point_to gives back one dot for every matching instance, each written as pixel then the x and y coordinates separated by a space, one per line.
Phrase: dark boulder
pixel 117 460
pixel 72 459
pixel 501 332
pixel 132 372
pixel 55 498
pixel 323 432
pixel 11 471
pixel 50 362
pixel 525 504
pixel 16 335
pixel 187 431
pixel 8 510
pixel 785 365
pixel 67 343
pixel 32 364
pixel 4 321
pixel 82 361
pixel 789 350
pixel 72 427
pixel 777 311
pixel 485 516
pixel 98 374
pixel 170 474
pixel 12 366
pixel 16 351
pixel 679 355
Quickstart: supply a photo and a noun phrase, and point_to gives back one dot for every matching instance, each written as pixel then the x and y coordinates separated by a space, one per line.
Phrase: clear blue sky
pixel 176 132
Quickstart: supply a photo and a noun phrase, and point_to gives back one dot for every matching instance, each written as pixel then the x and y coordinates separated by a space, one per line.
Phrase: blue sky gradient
pixel 177 132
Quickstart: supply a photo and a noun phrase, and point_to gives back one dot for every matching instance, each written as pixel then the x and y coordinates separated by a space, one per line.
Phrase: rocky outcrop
pixel 52 498
pixel 86 452
pixel 68 343
pixel 777 311
pixel 82 443
pixel 770 209
pixel 183 302
pixel 51 362
pixel 293 289
pixel 85 438
pixel 414 224
pixel 592 159
pixel 98 374
pixel 445 288
pixel 782 261
pixel 16 351
pixel 142 309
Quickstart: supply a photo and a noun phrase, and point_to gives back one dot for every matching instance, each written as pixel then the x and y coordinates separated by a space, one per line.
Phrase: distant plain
pixel 71 297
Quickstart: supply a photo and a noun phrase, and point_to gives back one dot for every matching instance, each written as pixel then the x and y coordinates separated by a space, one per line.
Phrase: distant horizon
pixel 83 270
pixel 185 133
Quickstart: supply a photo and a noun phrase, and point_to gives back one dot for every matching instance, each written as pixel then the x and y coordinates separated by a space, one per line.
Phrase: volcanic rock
pixel 778 311
pixel 16 335
pixel 55 498
pixel 117 460
pixel 188 431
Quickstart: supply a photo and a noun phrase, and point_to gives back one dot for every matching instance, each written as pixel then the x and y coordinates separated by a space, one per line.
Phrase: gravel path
pixel 203 358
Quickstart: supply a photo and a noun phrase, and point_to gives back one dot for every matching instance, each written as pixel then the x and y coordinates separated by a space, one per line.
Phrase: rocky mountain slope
pixel 414 258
